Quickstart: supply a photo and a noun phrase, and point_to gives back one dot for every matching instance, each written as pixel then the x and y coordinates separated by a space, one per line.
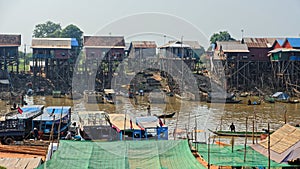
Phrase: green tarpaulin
pixel 223 156
pixel 163 154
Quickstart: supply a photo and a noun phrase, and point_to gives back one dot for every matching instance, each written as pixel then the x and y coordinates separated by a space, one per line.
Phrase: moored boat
pixel 170 115
pixel 223 101
pixel 237 134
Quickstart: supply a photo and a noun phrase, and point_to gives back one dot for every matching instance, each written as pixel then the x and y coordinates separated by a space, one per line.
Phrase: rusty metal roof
pixel 259 42
pixel 143 44
pixel 104 42
pixel 10 40
pixel 51 43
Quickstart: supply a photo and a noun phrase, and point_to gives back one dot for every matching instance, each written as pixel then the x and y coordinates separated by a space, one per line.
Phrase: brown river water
pixel 190 113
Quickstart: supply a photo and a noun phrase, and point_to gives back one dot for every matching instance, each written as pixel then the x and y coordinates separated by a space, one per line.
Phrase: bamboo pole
pixel 253 131
pixel 269 152
pixel 245 145
pixel 208 152
pixel 51 136
pixel 59 126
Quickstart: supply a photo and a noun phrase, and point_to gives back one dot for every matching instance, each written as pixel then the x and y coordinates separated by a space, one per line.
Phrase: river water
pixel 190 114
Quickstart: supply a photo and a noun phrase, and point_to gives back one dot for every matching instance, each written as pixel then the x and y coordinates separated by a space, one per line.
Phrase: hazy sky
pixel 151 20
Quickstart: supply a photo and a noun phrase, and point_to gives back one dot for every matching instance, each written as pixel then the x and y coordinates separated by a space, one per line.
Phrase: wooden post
pixel 59 126
pixel 195 129
pixel 125 126
pixel 253 131
pixel 269 152
pixel 245 140
pixel 51 136
pixel 232 144
pixel 208 152
pixel 285 116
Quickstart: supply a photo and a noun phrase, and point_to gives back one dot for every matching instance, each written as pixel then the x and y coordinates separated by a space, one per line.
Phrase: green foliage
pixel 221 36
pixel 54 30
pixel 47 29
pixel 72 31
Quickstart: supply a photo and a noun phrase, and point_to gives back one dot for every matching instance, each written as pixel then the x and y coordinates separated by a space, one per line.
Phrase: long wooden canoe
pixel 166 115
pixel 237 134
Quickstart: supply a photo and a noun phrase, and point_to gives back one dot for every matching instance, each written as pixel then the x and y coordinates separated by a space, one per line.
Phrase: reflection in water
pixel 212 116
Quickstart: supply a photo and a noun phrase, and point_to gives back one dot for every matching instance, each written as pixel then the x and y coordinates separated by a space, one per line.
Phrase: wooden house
pixel 104 47
pixel 58 55
pixel 190 49
pixel 289 50
pixel 9 45
pixel 258 48
pixel 142 49
pixel 231 51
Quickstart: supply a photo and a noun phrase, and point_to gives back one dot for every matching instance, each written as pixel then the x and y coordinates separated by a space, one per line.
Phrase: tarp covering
pixel 223 156
pixel 118 121
pixel 284 144
pixel 56 110
pixel 148 121
pixel 123 155
pixel 280 95
pixel 28 112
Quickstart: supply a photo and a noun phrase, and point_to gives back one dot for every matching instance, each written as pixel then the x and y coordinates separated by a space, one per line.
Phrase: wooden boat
pixel 244 94
pixel 270 100
pixel 232 101
pixel 170 115
pixel 293 101
pixel 237 134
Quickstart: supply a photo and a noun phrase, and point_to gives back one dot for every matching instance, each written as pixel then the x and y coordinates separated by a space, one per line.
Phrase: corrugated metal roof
pixel 48 116
pixel 104 41
pixel 28 112
pixel 232 46
pixel 143 44
pixel 280 41
pixel 284 50
pixel 51 43
pixel 294 42
pixel 259 42
pixel 175 44
pixel 10 40
pixel 191 44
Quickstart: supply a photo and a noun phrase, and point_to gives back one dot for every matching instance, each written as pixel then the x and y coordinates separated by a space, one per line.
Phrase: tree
pixel 48 29
pixel 72 31
pixel 54 30
pixel 221 36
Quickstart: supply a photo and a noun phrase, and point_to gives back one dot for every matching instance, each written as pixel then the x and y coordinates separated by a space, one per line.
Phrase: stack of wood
pixel 22 151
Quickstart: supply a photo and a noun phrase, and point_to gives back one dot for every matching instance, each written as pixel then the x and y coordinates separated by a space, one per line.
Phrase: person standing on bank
pixel 232 127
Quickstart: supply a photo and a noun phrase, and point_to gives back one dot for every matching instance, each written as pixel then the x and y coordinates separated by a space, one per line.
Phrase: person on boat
pixel 35 133
pixel 69 135
pixel 249 102
pixel 15 106
pixel 232 127
pixel 149 110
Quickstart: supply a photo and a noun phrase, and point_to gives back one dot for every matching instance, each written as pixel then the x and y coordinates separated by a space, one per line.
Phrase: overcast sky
pixel 151 20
